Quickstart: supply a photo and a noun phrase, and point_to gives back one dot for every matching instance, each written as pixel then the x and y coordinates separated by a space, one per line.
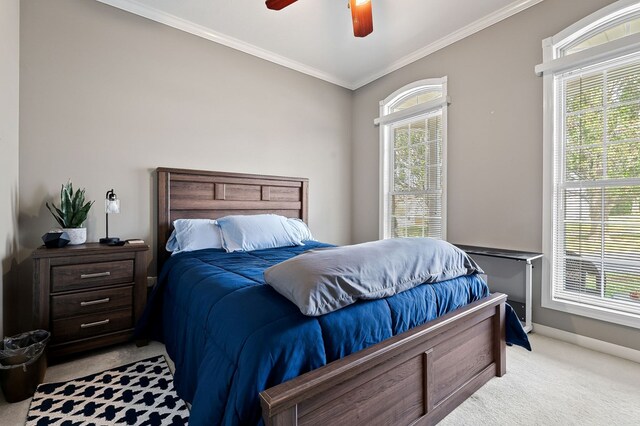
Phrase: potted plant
pixel 72 213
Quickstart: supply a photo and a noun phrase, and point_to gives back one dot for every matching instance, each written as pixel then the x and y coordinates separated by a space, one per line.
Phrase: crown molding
pixel 190 27
pixel 159 16
pixel 464 32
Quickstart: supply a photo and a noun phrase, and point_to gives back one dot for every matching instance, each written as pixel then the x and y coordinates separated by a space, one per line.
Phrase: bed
pixel 411 375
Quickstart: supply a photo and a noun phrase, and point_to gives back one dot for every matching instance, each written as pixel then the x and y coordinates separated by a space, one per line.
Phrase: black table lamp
pixel 111 206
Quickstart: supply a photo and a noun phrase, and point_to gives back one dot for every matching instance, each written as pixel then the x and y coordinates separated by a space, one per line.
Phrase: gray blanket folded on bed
pixel 324 280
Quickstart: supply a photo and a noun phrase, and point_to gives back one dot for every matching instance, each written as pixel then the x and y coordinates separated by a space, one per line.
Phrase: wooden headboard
pixel 198 194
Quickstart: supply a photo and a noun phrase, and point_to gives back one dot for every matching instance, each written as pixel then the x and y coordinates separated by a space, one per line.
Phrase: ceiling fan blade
pixel 278 4
pixel 362 17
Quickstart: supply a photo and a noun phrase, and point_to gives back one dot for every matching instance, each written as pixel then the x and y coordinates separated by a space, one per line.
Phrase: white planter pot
pixel 76 235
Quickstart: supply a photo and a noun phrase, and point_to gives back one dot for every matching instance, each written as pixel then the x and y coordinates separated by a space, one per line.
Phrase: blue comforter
pixel 231 336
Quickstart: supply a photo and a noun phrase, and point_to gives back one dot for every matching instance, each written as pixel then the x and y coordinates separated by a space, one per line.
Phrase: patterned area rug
pixel 140 393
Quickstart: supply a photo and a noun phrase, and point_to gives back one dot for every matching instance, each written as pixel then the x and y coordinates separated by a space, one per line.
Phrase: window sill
pixel 594 312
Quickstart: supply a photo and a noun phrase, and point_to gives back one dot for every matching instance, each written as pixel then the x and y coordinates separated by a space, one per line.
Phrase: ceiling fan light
pixel 362 17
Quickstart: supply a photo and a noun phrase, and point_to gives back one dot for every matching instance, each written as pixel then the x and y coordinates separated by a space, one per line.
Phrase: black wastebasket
pixel 22 364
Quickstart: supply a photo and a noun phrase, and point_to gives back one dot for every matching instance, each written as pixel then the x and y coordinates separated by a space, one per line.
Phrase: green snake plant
pixel 73 210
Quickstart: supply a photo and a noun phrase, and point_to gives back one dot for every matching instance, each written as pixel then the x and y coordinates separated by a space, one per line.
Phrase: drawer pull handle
pixel 95 302
pixel 95 324
pixel 96 275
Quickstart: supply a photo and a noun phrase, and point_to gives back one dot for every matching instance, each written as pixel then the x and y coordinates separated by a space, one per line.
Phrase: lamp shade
pixel 112 206
pixel 111 203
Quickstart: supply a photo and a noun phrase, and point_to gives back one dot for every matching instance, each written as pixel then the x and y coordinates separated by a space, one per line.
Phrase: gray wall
pixel 108 96
pixel 494 147
pixel 9 101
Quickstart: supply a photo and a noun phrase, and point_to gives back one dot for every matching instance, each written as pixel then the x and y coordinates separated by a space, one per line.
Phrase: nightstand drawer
pixel 89 302
pixel 74 277
pixel 81 327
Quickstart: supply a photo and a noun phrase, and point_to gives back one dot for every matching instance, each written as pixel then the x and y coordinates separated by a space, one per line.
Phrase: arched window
pixel 592 166
pixel 413 160
pixel 610 31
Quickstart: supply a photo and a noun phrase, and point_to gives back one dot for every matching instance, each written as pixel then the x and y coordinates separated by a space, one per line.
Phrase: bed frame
pixel 417 377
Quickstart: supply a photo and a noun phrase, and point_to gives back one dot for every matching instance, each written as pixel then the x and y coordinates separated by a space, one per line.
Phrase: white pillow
pixel 300 230
pixel 194 234
pixel 256 232
pixel 172 243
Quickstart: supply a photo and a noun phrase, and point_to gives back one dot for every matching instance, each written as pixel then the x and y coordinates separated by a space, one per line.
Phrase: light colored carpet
pixel 556 384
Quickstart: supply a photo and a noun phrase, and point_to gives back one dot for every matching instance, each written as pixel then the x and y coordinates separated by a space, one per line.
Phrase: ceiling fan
pixel 360 14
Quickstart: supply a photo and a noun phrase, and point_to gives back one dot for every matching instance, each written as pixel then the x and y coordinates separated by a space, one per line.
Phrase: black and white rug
pixel 140 393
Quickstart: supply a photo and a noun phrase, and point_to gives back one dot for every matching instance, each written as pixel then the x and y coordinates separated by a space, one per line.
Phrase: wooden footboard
pixel 417 377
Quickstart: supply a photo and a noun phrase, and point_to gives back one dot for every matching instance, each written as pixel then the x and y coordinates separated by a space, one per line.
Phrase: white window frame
pixel 554 62
pixel 388 121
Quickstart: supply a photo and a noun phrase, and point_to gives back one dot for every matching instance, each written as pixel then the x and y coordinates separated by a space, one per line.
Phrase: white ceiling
pixel 316 36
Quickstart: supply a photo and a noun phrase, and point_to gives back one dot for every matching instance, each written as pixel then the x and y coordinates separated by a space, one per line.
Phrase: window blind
pixel 416 188
pixel 596 223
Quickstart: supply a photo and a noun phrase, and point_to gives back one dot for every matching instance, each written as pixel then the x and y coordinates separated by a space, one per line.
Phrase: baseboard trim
pixel 588 342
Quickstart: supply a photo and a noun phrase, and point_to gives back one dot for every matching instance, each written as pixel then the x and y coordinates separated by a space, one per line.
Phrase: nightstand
pixel 90 295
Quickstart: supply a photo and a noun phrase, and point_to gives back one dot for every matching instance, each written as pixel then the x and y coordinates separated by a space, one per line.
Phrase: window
pixel 592 166
pixel 609 33
pixel 413 159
